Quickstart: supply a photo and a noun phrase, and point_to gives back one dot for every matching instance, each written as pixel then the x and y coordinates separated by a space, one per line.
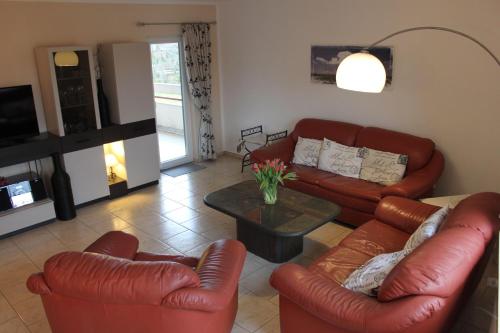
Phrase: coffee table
pixel 273 232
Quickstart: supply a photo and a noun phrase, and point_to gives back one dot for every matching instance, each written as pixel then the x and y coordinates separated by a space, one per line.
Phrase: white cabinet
pixel 27 216
pixel 68 87
pixel 128 81
pixel 142 160
pixel 87 170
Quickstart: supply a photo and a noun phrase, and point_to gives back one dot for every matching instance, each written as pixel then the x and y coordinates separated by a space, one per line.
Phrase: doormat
pixel 183 169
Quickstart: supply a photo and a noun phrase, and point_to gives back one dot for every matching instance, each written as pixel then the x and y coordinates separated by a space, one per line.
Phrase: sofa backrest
pixel 419 150
pixel 106 279
pixel 443 264
pixel 343 133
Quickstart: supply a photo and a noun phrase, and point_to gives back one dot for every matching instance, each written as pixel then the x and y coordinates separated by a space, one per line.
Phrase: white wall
pixel 26 25
pixel 444 86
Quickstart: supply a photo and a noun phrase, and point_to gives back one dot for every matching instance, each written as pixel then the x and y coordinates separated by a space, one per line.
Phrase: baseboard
pixel 140 187
pixel 232 154
pixel 91 202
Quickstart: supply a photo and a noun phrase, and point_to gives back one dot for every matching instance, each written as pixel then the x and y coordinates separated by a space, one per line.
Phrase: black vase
pixel 102 100
pixel 63 195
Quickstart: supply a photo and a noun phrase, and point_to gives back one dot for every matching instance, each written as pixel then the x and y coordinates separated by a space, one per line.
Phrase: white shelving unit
pixel 23 217
pixel 88 180
pixel 142 160
pixel 78 84
pixel 128 81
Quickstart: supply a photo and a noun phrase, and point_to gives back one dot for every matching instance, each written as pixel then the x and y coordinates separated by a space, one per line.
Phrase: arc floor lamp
pixel 364 72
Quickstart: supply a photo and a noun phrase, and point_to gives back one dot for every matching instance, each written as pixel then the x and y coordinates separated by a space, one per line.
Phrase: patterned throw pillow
pixel 307 152
pixel 427 229
pixel 340 159
pixel 368 278
pixel 383 167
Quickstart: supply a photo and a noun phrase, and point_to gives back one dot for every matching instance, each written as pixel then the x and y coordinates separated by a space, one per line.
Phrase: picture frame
pixel 326 59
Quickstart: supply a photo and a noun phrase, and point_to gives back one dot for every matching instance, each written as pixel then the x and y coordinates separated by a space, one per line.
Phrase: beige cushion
pixel 427 229
pixel 383 167
pixel 307 152
pixel 368 278
pixel 340 159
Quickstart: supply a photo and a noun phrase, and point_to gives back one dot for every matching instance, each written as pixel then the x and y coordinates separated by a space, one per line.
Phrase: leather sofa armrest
pixel 116 244
pixel 282 149
pixel 405 214
pixel 420 182
pixel 37 285
pixel 320 297
pixel 347 310
pixel 219 271
pixel 146 256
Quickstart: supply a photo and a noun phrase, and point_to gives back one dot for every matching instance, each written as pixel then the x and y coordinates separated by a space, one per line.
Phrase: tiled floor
pixel 169 218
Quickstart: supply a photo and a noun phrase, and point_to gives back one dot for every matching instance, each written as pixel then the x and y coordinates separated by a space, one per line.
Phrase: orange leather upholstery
pixel 421 294
pixel 358 198
pixel 115 291
pixel 319 129
pixel 418 150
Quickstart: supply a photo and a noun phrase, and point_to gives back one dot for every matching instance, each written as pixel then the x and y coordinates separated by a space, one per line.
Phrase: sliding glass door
pixel 172 118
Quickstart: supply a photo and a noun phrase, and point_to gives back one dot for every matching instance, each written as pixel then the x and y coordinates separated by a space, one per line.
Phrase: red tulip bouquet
pixel 268 175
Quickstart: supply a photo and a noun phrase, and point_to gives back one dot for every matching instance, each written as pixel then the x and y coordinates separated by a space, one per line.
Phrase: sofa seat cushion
pixel 374 238
pixel 338 263
pixel 310 175
pixel 352 187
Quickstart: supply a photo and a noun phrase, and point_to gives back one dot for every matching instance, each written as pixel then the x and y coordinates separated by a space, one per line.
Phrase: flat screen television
pixel 17 113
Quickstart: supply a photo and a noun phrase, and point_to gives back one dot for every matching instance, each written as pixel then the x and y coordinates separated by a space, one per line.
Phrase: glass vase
pixel 270 195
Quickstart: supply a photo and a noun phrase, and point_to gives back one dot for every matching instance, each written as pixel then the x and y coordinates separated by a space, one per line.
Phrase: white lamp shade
pixel 66 59
pixel 361 72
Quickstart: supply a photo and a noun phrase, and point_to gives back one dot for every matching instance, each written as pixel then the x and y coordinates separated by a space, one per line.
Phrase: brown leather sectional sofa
pixel 421 294
pixel 359 198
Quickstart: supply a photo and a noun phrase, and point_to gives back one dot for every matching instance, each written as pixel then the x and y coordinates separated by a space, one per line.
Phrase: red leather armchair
pixel 421 294
pixel 113 288
pixel 357 197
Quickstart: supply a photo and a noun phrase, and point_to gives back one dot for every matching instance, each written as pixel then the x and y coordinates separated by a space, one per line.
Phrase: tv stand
pixel 20 151
pixel 23 150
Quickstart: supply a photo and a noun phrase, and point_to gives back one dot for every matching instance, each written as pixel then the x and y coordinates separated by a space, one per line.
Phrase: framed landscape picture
pixel 326 59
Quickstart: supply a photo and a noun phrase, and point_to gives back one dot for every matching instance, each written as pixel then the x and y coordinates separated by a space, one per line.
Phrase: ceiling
pixel 187 2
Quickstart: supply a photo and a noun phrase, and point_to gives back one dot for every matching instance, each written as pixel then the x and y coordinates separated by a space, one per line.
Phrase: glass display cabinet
pixel 68 84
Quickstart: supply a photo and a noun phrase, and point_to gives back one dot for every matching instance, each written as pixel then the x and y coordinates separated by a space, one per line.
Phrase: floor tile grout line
pixel 8 301
pixel 267 322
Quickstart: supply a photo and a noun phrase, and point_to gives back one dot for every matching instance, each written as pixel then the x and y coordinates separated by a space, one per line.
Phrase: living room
pixel 200 222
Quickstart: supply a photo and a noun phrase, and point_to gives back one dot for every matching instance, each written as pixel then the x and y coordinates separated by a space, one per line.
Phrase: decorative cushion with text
pixel 383 167
pixel 368 278
pixel 427 229
pixel 340 159
pixel 307 152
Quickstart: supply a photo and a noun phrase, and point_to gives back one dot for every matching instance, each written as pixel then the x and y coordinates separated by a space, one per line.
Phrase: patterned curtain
pixel 196 38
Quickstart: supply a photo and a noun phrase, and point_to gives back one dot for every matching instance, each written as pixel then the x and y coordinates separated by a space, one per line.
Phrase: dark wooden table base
pixel 274 248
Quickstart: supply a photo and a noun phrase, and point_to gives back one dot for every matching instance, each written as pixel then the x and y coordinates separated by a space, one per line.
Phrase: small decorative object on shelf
pixel 269 175
pixel 111 161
